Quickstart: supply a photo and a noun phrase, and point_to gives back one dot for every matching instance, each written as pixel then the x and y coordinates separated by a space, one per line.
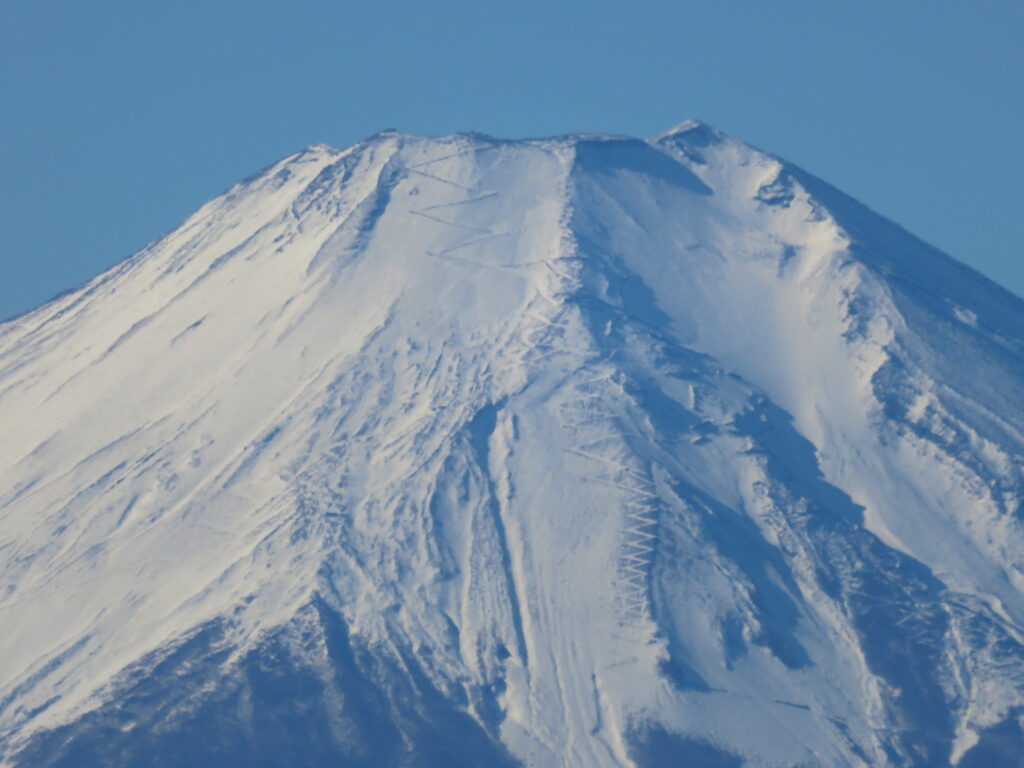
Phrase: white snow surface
pixel 627 437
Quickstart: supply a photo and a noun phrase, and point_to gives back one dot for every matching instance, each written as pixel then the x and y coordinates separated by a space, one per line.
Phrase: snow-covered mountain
pixel 585 451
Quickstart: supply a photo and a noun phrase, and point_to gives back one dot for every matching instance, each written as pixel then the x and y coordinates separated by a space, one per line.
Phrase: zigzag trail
pixel 590 425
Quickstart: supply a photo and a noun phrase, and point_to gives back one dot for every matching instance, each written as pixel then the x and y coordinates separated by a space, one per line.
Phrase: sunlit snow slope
pixel 587 451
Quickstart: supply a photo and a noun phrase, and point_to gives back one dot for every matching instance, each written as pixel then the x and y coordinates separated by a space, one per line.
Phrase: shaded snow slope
pixel 586 451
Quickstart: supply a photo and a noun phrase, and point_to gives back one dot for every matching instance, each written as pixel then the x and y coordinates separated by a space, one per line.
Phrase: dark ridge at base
pixel 1002 745
pixel 306 697
pixel 651 746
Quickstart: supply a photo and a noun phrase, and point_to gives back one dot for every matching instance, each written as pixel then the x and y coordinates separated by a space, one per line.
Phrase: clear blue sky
pixel 118 118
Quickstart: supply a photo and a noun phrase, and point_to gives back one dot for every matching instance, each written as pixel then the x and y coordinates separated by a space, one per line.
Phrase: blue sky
pixel 119 118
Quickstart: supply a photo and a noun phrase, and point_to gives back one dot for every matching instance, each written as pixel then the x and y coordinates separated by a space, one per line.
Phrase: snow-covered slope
pixel 586 451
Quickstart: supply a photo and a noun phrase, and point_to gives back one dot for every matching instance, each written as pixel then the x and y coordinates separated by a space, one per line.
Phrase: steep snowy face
pixel 585 451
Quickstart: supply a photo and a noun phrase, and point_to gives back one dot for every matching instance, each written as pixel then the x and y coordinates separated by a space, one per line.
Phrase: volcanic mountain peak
pixel 586 451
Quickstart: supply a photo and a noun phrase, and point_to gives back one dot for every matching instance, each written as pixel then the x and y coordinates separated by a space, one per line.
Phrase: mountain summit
pixel 585 451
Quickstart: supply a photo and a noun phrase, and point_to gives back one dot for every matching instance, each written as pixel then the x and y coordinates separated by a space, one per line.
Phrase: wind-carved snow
pixel 582 451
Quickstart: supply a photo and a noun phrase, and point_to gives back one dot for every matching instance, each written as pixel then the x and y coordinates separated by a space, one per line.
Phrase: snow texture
pixel 585 451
